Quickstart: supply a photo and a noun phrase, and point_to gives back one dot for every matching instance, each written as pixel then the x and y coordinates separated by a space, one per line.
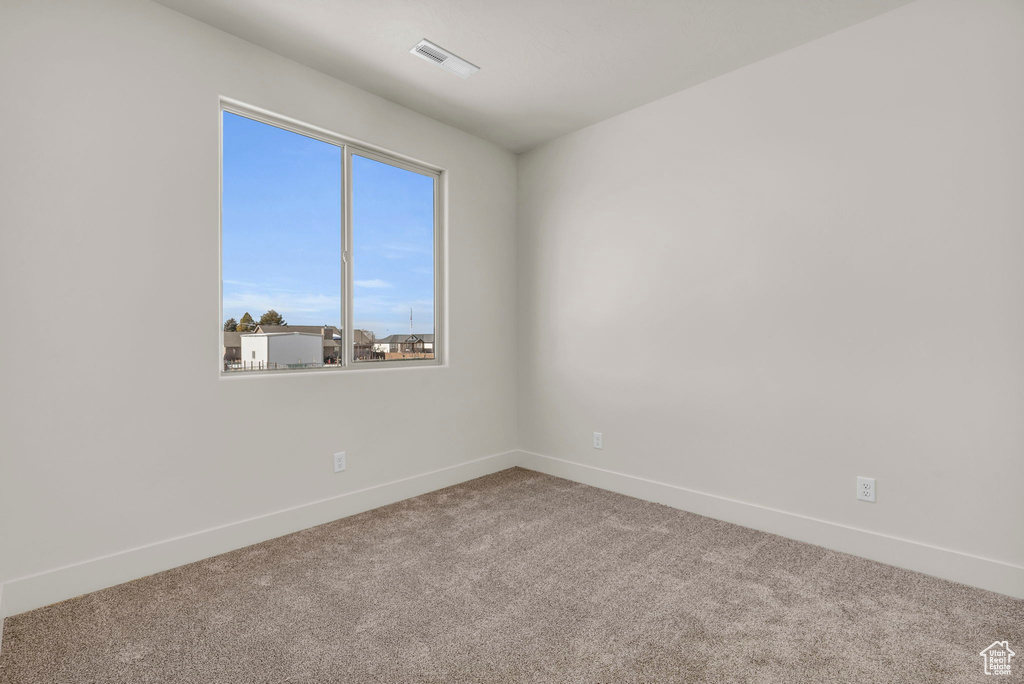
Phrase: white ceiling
pixel 548 66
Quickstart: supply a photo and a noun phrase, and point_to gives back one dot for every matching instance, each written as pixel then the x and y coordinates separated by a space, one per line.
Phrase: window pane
pixel 392 261
pixel 281 241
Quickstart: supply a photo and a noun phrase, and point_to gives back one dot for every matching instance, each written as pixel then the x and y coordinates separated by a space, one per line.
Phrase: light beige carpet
pixel 520 577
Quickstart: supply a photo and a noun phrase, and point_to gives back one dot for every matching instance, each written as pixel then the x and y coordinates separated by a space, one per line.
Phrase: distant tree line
pixel 248 324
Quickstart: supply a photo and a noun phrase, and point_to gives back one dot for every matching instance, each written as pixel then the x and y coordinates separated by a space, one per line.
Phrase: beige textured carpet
pixel 520 577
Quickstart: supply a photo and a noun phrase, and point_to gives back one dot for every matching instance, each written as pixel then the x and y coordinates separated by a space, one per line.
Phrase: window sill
pixel 360 367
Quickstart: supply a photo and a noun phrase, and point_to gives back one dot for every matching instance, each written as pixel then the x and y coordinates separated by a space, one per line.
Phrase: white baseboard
pixel 34 591
pixel 965 568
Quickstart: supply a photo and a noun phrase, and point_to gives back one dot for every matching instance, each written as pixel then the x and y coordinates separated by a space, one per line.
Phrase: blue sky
pixel 393 247
pixel 282 208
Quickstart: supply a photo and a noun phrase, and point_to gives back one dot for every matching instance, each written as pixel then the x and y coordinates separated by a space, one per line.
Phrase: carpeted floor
pixel 519 577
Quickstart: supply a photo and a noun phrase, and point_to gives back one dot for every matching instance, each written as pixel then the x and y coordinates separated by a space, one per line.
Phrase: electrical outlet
pixel 339 461
pixel 866 489
pixel 598 440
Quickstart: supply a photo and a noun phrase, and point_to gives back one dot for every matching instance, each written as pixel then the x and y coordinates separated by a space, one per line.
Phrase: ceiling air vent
pixel 444 59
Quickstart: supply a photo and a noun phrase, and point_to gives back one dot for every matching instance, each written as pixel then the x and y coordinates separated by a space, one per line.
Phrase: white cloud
pixel 386 314
pixel 240 283
pixel 383 328
pixel 286 303
pixel 263 302
pixel 365 304
pixel 423 306
pixel 375 283
pixel 402 250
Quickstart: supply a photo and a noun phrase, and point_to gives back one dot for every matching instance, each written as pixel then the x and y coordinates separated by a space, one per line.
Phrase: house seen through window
pixel 329 251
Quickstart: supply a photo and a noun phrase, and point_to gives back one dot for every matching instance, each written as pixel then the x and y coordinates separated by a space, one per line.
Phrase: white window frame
pixel 349 146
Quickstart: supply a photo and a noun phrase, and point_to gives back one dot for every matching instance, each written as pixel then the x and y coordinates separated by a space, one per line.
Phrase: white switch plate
pixel 339 461
pixel 866 489
pixel 598 440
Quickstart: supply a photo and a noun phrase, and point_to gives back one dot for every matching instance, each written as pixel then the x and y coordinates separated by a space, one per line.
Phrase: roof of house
pixel 406 339
pixel 362 337
pixel 318 329
pixel 327 331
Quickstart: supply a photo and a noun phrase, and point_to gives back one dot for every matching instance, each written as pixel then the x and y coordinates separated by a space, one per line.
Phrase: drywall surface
pixel 109 206
pixel 800 272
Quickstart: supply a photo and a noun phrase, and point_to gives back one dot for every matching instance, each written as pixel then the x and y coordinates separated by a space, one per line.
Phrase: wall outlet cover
pixel 866 489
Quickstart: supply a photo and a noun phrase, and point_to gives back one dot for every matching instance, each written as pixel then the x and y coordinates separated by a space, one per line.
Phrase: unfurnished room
pixel 548 341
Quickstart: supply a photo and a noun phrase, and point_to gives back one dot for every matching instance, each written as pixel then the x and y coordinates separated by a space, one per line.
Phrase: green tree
pixel 272 318
pixel 246 324
pixel 230 325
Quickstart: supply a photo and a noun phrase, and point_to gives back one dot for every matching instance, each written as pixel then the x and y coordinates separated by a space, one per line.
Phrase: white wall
pixel 292 348
pixel 255 350
pixel 109 211
pixel 826 247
